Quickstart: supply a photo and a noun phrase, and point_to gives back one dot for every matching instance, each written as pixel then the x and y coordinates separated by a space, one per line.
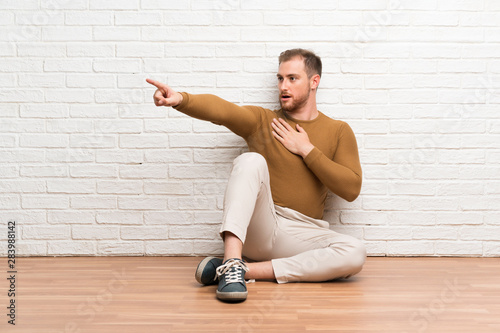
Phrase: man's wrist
pixel 306 150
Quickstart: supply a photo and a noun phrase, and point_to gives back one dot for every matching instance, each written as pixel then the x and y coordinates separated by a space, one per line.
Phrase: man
pixel 276 193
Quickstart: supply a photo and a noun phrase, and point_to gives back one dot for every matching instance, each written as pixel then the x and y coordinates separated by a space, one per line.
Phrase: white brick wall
pixel 89 166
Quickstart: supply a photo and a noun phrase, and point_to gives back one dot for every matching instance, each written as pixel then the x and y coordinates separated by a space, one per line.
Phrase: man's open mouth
pixel 285 97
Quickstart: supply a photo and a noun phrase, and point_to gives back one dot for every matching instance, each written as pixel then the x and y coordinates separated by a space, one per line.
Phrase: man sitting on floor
pixel 276 193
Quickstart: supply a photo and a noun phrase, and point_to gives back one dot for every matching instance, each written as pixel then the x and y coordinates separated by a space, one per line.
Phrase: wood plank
pixel 160 294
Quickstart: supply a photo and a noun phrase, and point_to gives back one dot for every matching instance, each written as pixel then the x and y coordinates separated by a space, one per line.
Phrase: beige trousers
pixel 300 248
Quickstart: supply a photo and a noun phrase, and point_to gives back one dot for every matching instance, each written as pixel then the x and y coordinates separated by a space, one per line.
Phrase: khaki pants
pixel 300 248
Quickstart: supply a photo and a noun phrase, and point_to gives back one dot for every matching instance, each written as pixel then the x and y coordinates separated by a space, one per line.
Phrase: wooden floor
pixel 160 294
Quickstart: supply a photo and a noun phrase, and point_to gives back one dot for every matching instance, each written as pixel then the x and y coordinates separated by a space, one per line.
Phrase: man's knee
pixel 357 256
pixel 249 161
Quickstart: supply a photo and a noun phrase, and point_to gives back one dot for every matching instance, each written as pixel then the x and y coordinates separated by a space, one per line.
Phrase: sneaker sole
pixel 232 296
pixel 201 268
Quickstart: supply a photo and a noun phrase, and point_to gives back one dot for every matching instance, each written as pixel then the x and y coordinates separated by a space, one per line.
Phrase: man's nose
pixel 283 85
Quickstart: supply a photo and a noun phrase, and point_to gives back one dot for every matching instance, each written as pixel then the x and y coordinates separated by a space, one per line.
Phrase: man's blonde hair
pixel 312 62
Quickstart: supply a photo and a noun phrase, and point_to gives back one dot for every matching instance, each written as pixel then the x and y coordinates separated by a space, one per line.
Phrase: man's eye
pixel 280 79
pixel 292 78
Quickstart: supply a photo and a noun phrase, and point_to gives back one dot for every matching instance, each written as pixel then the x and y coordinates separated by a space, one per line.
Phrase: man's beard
pixel 296 104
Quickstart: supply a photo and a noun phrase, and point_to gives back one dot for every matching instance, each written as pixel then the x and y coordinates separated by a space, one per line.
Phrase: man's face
pixel 293 84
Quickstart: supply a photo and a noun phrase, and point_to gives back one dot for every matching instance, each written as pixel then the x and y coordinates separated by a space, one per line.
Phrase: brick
pixel 362 5
pixel 168 188
pixel 461 188
pixel 116 33
pixel 365 66
pixel 479 202
pixel 434 204
pixel 191 171
pixel 119 187
pixel 120 218
pixel 20 33
pixel 9 171
pixel 415 218
pixel 94 232
pixel 435 19
pixel 69 96
pixel 32 248
pixel 142 203
pixel 386 203
pixel 192 18
pixel 137 50
pixel 205 248
pixel 459 218
pixel 124 248
pixel 117 65
pixel 458 248
pixel 24 5
pixel 93 111
pixel 90 81
pixel 138 18
pixel 92 141
pixel 168 156
pixel 44 171
pixel 410 248
pixel 169 126
pixel 208 217
pixel 42 232
pixel 71 186
pixel 465 5
pixel 412 188
pixel 491 249
pixel 46 110
pixel 67 65
pixel 93 171
pixel 9 202
pixel 66 33
pixel 70 156
pixel 93 202
pixel 94 49
pixel 169 247
pixel 69 126
pixel 194 232
pixel 22 186
pixel 27 217
pixel 143 233
pixel 20 96
pixel 119 156
pixel 191 203
pixel 71 217
pixel 434 232
pixel 168 217
pixel 71 248
pixel 363 218
pixel 145 171
pixel 364 97
pixel 168 4
pixel 88 18
pixel 387 233
pixel 143 141
pixel 42 80
pixel 473 172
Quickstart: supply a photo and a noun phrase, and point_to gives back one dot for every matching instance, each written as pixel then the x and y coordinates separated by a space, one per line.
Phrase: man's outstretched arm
pixel 242 120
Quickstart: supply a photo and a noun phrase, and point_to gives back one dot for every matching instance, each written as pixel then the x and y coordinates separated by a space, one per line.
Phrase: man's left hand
pixel 296 141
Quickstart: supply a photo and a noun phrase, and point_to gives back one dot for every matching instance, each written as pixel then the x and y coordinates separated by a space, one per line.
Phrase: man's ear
pixel 315 81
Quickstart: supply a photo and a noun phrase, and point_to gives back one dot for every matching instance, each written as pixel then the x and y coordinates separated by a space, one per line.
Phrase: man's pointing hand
pixel 164 95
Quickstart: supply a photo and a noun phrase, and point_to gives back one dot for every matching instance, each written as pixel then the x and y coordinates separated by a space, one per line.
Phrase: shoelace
pixel 234 267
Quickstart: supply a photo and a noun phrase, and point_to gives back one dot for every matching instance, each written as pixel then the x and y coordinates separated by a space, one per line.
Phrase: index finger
pixel 157 84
